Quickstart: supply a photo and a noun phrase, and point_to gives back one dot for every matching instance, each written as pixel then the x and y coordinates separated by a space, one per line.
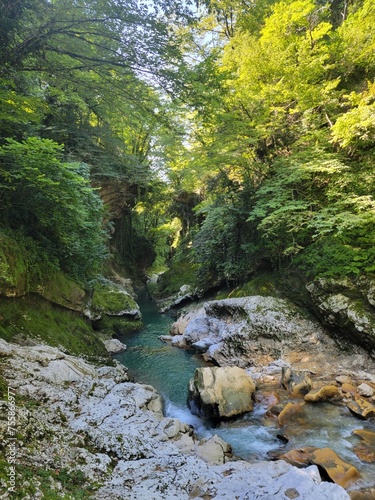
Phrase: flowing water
pixel 169 369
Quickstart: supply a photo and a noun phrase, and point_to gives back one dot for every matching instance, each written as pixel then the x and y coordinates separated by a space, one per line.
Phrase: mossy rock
pixel 13 268
pixel 170 282
pixel 119 325
pixel 34 317
pixel 264 285
pixel 111 299
pixel 63 291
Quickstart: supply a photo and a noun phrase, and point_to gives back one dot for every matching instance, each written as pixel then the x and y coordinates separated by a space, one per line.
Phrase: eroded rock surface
pixel 220 392
pixel 348 306
pixel 74 417
pixel 256 330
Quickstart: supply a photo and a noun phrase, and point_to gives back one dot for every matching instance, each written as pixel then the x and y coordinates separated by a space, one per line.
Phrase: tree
pixel 52 202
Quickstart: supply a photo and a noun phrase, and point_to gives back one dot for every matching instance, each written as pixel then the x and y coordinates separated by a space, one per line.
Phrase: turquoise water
pixel 169 369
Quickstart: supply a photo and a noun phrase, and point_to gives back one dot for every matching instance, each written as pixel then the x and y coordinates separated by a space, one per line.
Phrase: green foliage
pixel 310 209
pixel 53 203
pixel 181 272
pixel 74 483
pixel 34 317
pixel 223 247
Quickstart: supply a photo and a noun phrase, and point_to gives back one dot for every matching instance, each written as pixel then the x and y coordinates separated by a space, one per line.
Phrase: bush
pixel 52 202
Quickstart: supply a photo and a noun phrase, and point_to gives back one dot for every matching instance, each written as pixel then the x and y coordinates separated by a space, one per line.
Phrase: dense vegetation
pixel 228 139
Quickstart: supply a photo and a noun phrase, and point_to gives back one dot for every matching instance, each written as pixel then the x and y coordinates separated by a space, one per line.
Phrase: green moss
pixel 110 299
pixel 3 388
pixel 12 267
pixel 58 288
pixel 30 479
pixel 170 282
pixel 119 325
pixel 32 316
pixel 264 285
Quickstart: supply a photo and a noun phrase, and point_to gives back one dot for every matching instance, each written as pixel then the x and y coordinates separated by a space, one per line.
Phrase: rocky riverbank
pixel 86 431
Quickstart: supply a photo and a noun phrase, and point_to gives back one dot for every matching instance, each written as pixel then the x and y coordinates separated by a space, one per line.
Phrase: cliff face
pixel 348 308
pixel 45 305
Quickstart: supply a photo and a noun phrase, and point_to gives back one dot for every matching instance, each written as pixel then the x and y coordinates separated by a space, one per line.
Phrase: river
pixel 169 369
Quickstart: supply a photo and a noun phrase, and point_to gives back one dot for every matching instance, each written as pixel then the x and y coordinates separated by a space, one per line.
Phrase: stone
pixel 255 330
pixel 341 304
pixel 114 346
pixel 366 450
pixel 343 379
pixel 288 412
pixel 325 393
pixel 366 435
pixel 63 291
pixel 349 389
pixel 299 457
pixel 338 471
pixel 213 450
pixel 111 299
pixel 267 399
pixel 365 390
pixel 297 384
pixel 220 392
pixel 361 408
pixel 363 494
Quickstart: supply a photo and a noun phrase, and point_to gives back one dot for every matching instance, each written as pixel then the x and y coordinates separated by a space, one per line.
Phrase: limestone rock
pixel 298 384
pixel 220 392
pixel 325 393
pixel 114 346
pixel 365 390
pixel 342 304
pixel 185 294
pixel 113 432
pixel 288 412
pixel 185 478
pixel 213 450
pixel 63 291
pixel 299 457
pixel 366 450
pixel 361 408
pixel 340 472
pixel 349 389
pixel 111 299
pixel 238 331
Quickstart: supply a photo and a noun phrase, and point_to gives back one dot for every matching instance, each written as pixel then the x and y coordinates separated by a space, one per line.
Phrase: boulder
pixel 297 384
pixel 365 390
pixel 111 299
pixel 325 393
pixel 114 346
pixel 213 450
pixel 220 392
pixel 348 306
pixel 289 412
pixel 366 450
pixel 340 472
pixel 253 330
pixel 361 408
pixel 337 470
